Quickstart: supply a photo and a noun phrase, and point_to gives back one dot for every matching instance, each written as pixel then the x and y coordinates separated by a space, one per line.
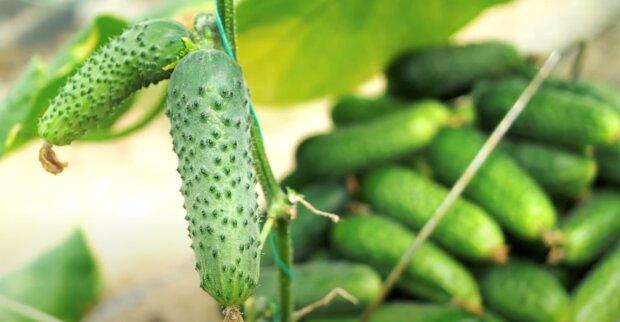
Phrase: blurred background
pixel 124 193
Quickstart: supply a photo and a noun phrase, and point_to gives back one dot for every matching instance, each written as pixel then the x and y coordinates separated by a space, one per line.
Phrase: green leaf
pixel 16 104
pixel 26 101
pixel 64 282
pixel 294 51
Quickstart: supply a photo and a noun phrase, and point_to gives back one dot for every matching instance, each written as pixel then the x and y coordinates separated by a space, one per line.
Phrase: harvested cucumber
pixel 552 115
pixel 431 274
pixel 597 298
pixel 351 109
pixel 412 199
pixel 523 291
pixel 563 174
pixel 308 230
pixel 350 149
pixel 501 186
pixel 416 312
pixel 313 280
pixel 589 229
pixel 608 158
pixel 449 71
pixel 63 282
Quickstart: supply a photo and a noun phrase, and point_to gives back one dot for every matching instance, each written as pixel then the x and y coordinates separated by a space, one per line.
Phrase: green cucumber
pixel 449 71
pixel 431 274
pixel 308 231
pixel 563 174
pixel 466 230
pixel 313 280
pixel 596 298
pixel 64 282
pixel 608 159
pixel 501 186
pixel 137 58
pixel 210 128
pixel 523 291
pixel 554 116
pixel 415 312
pixel 589 229
pixel 353 109
pixel 350 149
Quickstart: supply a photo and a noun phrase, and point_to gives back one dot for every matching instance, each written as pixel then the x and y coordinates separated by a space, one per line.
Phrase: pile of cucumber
pixel 535 236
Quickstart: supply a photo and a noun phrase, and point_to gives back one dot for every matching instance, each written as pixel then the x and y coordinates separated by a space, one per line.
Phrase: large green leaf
pixel 64 282
pixel 293 51
pixel 30 96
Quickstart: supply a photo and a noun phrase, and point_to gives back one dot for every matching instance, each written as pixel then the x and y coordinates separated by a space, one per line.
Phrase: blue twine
pixel 276 257
pixel 231 53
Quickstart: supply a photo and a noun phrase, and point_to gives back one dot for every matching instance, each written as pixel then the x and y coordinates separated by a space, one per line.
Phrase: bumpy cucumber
pixel 412 199
pixel 210 126
pixel 552 115
pixel 133 60
pixel 431 274
pixel 449 71
pixel 596 297
pixel 63 282
pixel 503 188
pixel 523 291
pixel 416 312
pixel 347 150
pixel 589 229
pixel 308 231
pixel 313 280
pixel 563 174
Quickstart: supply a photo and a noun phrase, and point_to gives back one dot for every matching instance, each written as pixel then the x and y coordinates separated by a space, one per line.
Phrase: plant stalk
pixel 283 242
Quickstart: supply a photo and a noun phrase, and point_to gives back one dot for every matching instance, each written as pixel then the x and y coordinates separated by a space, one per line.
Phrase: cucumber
pixel 564 175
pixel 415 312
pixel 554 116
pixel 313 280
pixel 523 291
pixel 449 71
pixel 503 188
pixel 596 298
pixel 210 128
pixel 64 282
pixel 404 195
pixel 589 229
pixel 308 230
pixel 353 109
pixel 431 274
pixel 133 60
pixel 350 149
pixel 608 159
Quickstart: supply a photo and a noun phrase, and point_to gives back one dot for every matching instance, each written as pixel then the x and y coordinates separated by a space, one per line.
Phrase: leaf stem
pixel 283 242
pixel 227 12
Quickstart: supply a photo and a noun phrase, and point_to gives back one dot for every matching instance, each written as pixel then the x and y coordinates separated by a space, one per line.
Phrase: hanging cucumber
pixel 523 291
pixel 431 274
pixel 589 229
pixel 449 71
pixel 137 58
pixel 350 149
pixel 466 230
pixel 210 126
pixel 554 116
pixel 563 174
pixel 503 188
pixel 596 298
